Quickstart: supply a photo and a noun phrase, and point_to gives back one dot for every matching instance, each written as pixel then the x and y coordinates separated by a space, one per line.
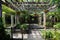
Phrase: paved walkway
pixel 35 35
pixel 36 26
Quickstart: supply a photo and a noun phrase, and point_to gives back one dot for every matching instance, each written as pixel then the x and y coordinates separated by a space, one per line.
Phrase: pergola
pixel 28 5
pixel 32 6
pixel 39 6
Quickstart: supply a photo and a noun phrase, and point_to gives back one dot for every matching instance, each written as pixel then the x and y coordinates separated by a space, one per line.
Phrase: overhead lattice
pixel 31 4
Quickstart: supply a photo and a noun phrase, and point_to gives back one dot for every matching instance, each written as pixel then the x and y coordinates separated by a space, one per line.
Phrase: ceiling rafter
pixel 8 5
pixel 29 5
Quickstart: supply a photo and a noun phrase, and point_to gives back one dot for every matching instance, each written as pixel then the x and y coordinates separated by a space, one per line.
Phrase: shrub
pixel 24 26
pixel 18 26
pixel 57 25
pixel 49 24
pixel 49 35
pixel 3 35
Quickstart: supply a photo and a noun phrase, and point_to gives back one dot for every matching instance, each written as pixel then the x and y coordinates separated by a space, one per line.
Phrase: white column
pixel 15 19
pixel 4 20
pixel 12 21
pixel 39 20
pixel 44 20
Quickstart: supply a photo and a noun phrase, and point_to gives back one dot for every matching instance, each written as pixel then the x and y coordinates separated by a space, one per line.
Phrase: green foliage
pixel 56 35
pixel 55 13
pixel 49 24
pixel 24 26
pixel 57 25
pixel 51 16
pixel 24 13
pixel 1 24
pixel 3 35
pixel 18 26
pixel 49 34
pixel 7 9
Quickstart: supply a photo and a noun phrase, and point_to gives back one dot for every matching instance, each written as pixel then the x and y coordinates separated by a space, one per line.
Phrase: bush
pixel 49 24
pixel 49 35
pixel 24 27
pixel 3 35
pixel 57 25
pixel 56 35
pixel 18 26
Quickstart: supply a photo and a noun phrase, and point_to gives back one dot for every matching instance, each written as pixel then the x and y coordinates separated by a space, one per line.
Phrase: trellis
pixel 27 5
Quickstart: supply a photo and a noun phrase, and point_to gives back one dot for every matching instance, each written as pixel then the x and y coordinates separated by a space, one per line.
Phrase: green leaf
pixel 7 9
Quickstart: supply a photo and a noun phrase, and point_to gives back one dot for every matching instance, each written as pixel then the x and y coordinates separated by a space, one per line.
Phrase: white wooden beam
pixel 39 19
pixel 44 20
pixel 12 21
pixel 3 19
pixel 15 19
